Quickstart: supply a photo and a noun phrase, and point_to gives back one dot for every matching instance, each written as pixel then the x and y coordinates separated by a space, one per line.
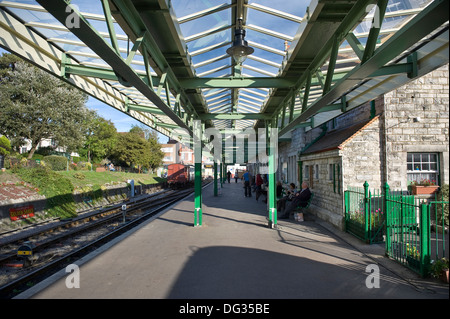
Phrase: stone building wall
pixel 413 118
pixel 362 157
pixel 328 199
pixel 417 120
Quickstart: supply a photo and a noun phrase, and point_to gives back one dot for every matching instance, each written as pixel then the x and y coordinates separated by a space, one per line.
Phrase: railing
pixel 364 214
pixel 407 231
pixel 415 232
pixel 439 222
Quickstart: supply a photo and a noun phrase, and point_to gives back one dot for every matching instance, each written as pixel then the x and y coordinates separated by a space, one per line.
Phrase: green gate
pixel 407 231
pixel 364 214
pixel 412 236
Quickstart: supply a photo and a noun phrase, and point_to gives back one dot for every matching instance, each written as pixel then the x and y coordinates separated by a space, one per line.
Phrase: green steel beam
pixel 87 34
pixel 351 19
pixel 424 23
pixel 135 16
pixel 256 82
pixel 372 39
pixel 68 68
pixel 331 65
pixel 235 116
pixel 144 108
pixel 356 45
pixel 110 25
pixel 166 125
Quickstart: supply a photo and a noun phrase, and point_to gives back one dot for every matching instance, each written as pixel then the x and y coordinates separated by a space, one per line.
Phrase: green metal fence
pixel 407 230
pixel 364 213
pixel 415 232
pixel 439 234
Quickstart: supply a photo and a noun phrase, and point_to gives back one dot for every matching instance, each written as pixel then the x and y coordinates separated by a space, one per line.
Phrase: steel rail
pixel 12 288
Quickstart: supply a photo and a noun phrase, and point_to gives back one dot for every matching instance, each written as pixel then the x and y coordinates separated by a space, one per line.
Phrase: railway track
pixel 56 247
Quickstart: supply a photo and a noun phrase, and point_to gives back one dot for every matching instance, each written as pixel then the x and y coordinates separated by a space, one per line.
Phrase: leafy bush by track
pixel 57 163
pixel 57 189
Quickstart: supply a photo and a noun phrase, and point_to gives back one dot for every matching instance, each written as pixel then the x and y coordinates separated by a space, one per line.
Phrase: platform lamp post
pixel 240 49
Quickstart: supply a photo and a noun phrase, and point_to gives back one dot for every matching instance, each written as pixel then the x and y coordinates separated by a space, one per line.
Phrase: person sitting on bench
pixel 300 199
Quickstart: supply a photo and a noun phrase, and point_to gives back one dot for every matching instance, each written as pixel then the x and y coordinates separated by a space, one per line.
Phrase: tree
pixel 132 149
pixel 35 106
pixel 101 138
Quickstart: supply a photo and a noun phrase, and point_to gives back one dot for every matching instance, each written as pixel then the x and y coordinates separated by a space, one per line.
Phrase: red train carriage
pixel 179 175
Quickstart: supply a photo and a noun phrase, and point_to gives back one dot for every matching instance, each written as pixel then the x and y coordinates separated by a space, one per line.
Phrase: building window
pixel 316 172
pixel 330 172
pixel 422 166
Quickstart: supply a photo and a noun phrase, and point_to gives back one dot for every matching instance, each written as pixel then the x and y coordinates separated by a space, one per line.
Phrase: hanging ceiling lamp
pixel 240 49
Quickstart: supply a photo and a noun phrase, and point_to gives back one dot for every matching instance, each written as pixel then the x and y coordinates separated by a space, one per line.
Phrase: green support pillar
pixel 215 178
pixel 425 241
pixel 221 174
pixel 198 174
pixel 272 191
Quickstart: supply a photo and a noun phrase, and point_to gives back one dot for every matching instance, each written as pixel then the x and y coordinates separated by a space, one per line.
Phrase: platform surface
pixel 233 255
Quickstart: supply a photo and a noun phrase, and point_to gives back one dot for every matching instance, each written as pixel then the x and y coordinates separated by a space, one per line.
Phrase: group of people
pixel 293 198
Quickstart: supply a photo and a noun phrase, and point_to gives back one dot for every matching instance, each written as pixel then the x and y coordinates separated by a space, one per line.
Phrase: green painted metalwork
pixel 236 82
pixel 364 213
pixel 197 175
pixel 234 116
pixel 356 45
pixel 272 191
pixel 331 66
pixel 110 25
pixel 425 239
pixel 422 24
pixel 374 30
pixel 86 33
pixel 144 108
pixel 215 179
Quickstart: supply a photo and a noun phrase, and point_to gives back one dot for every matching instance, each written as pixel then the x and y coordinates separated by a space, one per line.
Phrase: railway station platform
pixel 234 255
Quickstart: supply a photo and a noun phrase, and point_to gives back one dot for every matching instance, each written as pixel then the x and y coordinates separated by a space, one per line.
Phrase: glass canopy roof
pixel 206 28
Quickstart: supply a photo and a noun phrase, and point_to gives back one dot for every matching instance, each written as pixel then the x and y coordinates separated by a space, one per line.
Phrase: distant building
pixel 49 142
pixel 177 153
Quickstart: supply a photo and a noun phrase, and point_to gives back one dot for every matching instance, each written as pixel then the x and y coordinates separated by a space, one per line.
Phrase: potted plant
pixel 424 187
pixel 439 269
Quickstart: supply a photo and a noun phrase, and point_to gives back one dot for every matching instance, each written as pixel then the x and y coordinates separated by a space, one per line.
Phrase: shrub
pixel 57 163
pixel 443 208
pixel 79 176
pixel 5 146
pixel 12 161
pixel 57 189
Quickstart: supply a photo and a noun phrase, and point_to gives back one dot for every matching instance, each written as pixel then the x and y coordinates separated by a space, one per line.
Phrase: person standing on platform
pixel 236 175
pixel 258 190
pixel 228 176
pixel 248 190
